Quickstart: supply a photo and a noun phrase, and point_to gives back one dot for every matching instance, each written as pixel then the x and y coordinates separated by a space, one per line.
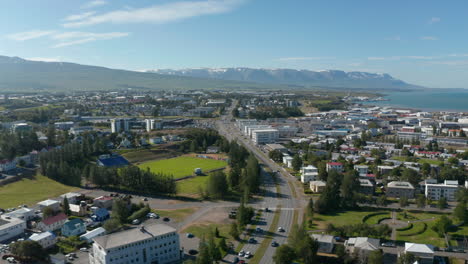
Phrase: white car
pixel 248 254
pixel 241 253
pixel 280 229
pixel 84 249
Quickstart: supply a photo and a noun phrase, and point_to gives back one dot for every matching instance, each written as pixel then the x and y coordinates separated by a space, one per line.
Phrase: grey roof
pixel 400 184
pixel 133 235
pixel 323 238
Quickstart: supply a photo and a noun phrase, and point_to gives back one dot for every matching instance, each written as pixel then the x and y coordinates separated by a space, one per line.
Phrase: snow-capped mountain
pixel 307 78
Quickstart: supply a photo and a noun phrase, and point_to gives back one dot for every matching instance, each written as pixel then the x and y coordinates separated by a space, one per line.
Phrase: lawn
pixel 373 220
pixel 183 166
pixel 200 230
pixel 30 191
pixel 177 215
pixel 342 218
pixel 191 187
pixel 428 237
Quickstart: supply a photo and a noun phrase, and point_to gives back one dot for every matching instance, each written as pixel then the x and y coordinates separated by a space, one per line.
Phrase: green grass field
pixel 182 166
pixel 342 218
pixel 191 187
pixel 30 191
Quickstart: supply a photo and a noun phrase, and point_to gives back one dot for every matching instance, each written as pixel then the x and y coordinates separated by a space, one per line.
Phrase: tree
pixel 284 255
pixel 120 210
pixel 406 258
pixel 276 155
pixel 375 257
pixel 348 188
pixel 111 225
pixel 382 200
pixel 234 231
pixel 66 206
pixel 460 211
pixel 411 176
pixel 442 225
pixel 222 244
pixel 404 201
pixel 421 201
pixel 29 249
pixel 217 185
pixel 296 162
pixel 216 232
pixel 442 203
pixel 204 255
pixel 51 135
pixel 47 212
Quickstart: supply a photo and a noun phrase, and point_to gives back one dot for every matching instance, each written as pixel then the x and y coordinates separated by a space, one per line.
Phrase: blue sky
pixel 420 41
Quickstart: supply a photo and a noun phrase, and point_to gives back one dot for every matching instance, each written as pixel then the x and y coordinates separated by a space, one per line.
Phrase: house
pixel 325 243
pixel 156 140
pixel 385 169
pixel 287 160
pixel 317 186
pixel 276 147
pixel 52 223
pixel 78 209
pixel 25 214
pixel 72 197
pixel 130 246
pixel 54 205
pixel 366 187
pixel 88 236
pixel 424 252
pixel 338 166
pixel 45 239
pixel 11 227
pixel 73 227
pixel 212 150
pixel 309 173
pixel 100 215
pixel 362 244
pixel 7 165
pixel 398 189
pixel 103 202
pixel 362 169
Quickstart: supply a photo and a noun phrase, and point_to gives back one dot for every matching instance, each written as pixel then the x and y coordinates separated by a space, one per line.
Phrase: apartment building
pixel 448 189
pixel 265 136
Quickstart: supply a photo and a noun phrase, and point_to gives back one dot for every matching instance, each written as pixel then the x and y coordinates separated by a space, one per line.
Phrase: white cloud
pixel 33 34
pixel 395 38
pixel 79 16
pixel 94 3
pixel 45 59
pixel 450 63
pixel 434 20
pixel 429 38
pixel 395 58
pixel 74 38
pixel 355 64
pixel 305 58
pixel 164 13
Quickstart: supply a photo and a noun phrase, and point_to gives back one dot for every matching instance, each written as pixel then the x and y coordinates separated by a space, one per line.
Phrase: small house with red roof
pixel 52 223
pixel 338 166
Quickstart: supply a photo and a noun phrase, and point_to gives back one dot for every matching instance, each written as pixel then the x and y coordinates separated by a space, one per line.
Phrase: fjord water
pixel 428 100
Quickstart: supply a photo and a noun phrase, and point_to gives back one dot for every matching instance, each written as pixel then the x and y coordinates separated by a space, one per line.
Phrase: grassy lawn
pixel 201 230
pixel 30 191
pixel 342 218
pixel 182 166
pixel 428 237
pixel 191 187
pixel 373 220
pixel 177 215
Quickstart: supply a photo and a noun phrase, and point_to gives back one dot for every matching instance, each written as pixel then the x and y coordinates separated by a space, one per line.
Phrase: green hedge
pixel 382 219
pixel 417 232
pixel 366 217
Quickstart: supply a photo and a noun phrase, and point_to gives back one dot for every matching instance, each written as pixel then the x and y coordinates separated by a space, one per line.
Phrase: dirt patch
pixel 213 215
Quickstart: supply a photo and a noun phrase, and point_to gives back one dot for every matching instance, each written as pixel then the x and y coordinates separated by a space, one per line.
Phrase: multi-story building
pixel 11 227
pixel 309 173
pixel 157 243
pixel 265 136
pixel 366 187
pixel 398 189
pixel 448 189
pixel 362 169
pixel 153 124
pixel 120 124
pixel 338 166
pixel 45 239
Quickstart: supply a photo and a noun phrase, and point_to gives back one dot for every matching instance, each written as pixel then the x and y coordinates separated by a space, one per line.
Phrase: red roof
pixel 5 161
pixel 370 175
pixel 55 219
pixel 335 163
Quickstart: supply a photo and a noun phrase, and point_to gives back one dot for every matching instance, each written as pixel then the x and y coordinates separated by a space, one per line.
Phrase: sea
pixel 427 100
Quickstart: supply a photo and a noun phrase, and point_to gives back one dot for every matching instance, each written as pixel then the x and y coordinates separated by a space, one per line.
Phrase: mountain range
pixel 306 78
pixel 17 74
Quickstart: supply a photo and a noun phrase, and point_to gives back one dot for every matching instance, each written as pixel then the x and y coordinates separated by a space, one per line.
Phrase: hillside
pixel 306 78
pixel 17 74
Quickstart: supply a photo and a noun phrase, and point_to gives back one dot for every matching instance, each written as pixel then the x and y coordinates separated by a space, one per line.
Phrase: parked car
pixel 388 244
pixel 83 249
pixel 136 222
pixel 192 252
pixel 248 254
pixel 252 240
pixel 259 230
pixel 241 253
pixel 166 219
pixel 190 235
pixel 235 261
pixel 274 244
pixel 280 229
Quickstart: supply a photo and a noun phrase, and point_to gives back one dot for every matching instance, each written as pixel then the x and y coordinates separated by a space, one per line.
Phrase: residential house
pixel 398 189
pixel 338 166
pixel 317 186
pixel 362 169
pixel 424 252
pixel 309 173
pixel 73 227
pixel 325 243
pixel 78 209
pixel 362 244
pixel 100 215
pixel 72 197
pixel 7 165
pixel 90 235
pixel 45 239
pixel 287 160
pixel 53 204
pixel 366 187
pixel 52 223
pixel 103 202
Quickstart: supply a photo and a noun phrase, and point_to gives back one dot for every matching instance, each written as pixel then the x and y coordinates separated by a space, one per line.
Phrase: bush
pixel 366 217
pixel 140 213
pixel 418 232
pixel 382 219
pixel 408 227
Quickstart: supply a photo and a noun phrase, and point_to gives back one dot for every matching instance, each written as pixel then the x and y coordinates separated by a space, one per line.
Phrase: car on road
pixel 241 253
pixel 259 230
pixel 248 254
pixel 388 244
pixel 136 222
pixel 252 240
pixel 242 262
pixel 280 229
pixel 145 199
pixel 166 219
pixel 267 210
pixel 190 235
pixel 84 249
pixel 274 244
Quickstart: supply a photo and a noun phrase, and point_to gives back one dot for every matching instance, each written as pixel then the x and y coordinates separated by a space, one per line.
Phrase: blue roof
pixel 113 161
pixel 73 222
pixel 101 212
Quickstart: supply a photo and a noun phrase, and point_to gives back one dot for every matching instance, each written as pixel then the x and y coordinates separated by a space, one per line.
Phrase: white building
pixel 55 205
pixel 88 236
pixel 64 125
pixel 7 165
pixel 152 124
pixel 157 243
pixel 361 169
pixel 265 136
pixel 248 131
pixel 287 160
pixel 338 166
pixel 25 214
pixel 309 173
pixel 422 251
pixel 448 189
pixel 11 227
pixel 120 124
pixel 45 239
pixel 72 197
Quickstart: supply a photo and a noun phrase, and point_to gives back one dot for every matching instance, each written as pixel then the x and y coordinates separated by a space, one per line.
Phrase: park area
pixel 30 191
pixel 183 166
